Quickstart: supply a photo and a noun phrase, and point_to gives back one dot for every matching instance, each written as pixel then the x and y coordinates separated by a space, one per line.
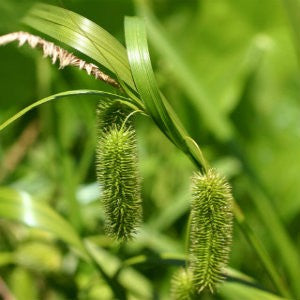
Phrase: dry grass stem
pixel 55 52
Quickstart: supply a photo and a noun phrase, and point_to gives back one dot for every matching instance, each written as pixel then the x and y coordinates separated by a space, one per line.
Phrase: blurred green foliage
pixel 239 56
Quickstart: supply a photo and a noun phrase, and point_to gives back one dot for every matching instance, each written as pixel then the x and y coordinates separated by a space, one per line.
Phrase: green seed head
pixel 211 229
pixel 117 172
pixel 182 285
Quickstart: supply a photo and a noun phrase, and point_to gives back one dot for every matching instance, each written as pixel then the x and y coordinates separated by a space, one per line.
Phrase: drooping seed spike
pixel 211 229
pixel 117 172
pixel 182 285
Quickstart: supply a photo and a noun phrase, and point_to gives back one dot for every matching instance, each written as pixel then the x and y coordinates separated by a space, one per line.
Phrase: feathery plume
pixel 57 53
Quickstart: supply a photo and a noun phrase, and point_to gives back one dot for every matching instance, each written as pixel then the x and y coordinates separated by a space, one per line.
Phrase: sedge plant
pixel 212 207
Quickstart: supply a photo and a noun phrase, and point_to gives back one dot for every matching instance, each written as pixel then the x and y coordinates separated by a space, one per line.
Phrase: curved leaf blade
pixel 83 35
pixel 156 104
pixel 211 115
pixel 139 60
pixel 59 96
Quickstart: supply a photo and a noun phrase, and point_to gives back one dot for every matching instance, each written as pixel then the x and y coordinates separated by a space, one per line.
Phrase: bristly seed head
pixel 211 229
pixel 117 171
pixel 55 52
pixel 182 285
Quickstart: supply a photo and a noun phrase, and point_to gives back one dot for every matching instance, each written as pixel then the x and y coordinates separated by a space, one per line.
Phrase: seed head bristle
pixel 117 171
pixel 211 229
pixel 182 285
pixel 57 53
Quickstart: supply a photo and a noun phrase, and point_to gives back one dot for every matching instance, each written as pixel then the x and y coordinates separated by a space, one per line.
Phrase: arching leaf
pixel 83 35
pixel 59 96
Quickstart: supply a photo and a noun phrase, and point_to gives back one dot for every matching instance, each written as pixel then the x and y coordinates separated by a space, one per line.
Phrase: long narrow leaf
pixel 215 121
pixel 59 96
pixel 157 106
pixel 82 35
pixel 144 78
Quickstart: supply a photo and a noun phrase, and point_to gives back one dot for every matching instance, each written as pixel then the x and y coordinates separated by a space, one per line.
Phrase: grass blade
pixel 144 78
pixel 82 35
pixel 156 105
pixel 215 121
pixel 59 96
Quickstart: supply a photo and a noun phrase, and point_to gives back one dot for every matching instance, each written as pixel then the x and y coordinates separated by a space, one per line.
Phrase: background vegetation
pixel 231 71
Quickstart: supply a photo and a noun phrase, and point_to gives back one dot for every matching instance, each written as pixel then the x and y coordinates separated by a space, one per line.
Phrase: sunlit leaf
pixel 83 35
pixel 156 104
pixel 20 206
